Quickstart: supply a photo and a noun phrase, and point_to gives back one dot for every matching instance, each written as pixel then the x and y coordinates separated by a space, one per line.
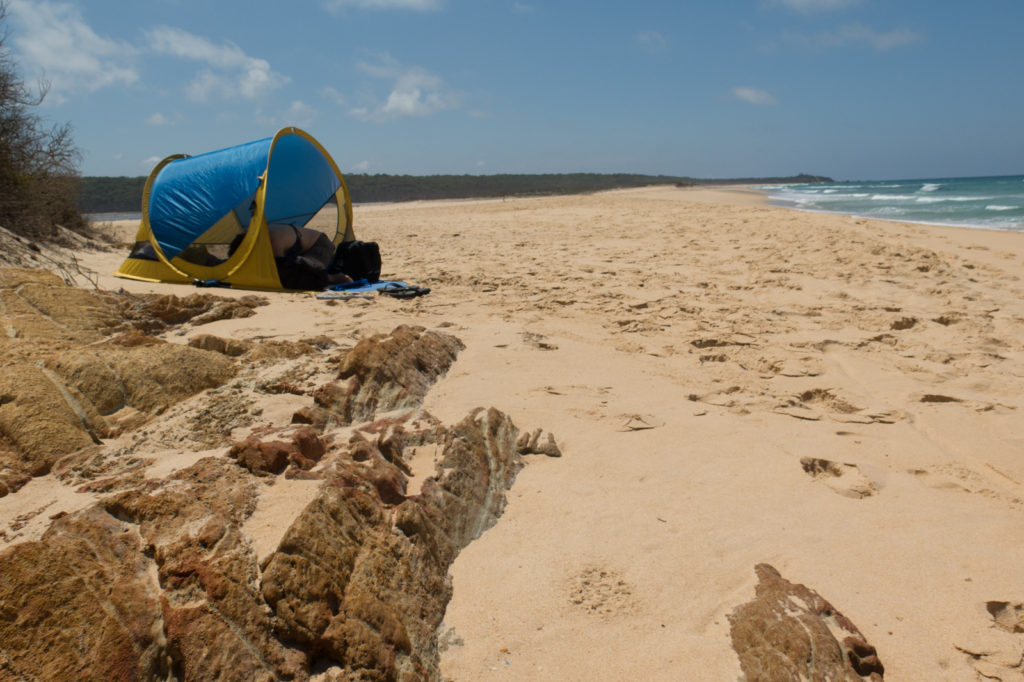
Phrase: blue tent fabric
pixel 191 194
pixel 299 181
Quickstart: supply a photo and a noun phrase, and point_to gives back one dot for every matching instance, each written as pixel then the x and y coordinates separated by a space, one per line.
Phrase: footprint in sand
pixel 1007 616
pixel 639 422
pixel 996 654
pixel 771 366
pixel 816 403
pixel 600 591
pixel 962 479
pixel 843 478
pixel 946 478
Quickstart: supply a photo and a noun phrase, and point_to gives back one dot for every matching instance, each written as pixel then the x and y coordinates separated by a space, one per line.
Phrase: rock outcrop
pixel 388 372
pixel 788 632
pixel 72 361
pixel 160 578
pixel 160 581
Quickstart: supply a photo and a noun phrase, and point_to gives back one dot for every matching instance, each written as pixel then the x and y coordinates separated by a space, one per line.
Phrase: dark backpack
pixel 358 260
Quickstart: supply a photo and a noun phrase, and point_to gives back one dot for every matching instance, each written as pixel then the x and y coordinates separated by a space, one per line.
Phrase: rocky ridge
pixel 160 578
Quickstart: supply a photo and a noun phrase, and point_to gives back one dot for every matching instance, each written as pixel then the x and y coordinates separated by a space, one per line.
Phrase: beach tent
pixel 195 207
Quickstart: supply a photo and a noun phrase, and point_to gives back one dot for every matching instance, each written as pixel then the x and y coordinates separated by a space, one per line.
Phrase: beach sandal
pixel 397 290
pixel 343 296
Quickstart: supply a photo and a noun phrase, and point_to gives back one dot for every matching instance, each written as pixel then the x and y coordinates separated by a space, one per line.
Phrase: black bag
pixel 299 272
pixel 358 260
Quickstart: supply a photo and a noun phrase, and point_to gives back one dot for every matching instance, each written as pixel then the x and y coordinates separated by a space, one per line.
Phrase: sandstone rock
pixel 153 312
pixel 388 372
pixel 789 632
pixel 231 347
pixel 37 420
pixel 159 579
pixel 530 444
pixel 369 600
pixel 38 306
pixel 51 410
pixel 303 449
pixel 261 457
pixel 312 415
pixel 156 377
pixel 214 624
pixel 60 378
pixel 12 481
pixel 274 350
pixel 76 605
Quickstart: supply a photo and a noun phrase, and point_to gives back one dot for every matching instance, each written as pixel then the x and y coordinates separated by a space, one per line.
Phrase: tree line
pixel 124 194
pixel 38 163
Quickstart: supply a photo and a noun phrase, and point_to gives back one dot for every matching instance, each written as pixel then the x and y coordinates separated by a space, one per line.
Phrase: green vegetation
pixel 38 164
pixel 373 188
pixel 110 195
pixel 121 194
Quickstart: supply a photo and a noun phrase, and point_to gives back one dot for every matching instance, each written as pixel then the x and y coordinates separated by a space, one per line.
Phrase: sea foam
pixel 990 202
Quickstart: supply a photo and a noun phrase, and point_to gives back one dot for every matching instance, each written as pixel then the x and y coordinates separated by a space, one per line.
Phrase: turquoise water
pixel 995 202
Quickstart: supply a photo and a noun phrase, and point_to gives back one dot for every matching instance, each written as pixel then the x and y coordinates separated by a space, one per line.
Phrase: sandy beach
pixel 730 384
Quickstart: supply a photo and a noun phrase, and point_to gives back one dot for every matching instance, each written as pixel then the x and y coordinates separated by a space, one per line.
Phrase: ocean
pixel 995 203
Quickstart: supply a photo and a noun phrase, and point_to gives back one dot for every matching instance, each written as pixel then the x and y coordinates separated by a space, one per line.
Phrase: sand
pixel 694 351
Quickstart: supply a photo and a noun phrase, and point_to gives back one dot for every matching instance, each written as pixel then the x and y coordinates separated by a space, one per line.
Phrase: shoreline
pixel 987 202
pixel 860 216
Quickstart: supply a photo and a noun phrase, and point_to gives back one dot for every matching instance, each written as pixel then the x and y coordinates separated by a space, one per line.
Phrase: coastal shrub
pixel 38 162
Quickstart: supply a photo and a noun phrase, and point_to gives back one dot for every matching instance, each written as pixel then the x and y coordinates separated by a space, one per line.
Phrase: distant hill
pixel 100 194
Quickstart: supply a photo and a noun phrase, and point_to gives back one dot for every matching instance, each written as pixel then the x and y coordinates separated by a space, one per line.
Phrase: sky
pixel 851 89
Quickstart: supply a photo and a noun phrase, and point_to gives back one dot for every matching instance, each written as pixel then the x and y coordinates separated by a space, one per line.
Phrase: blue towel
pixel 363 285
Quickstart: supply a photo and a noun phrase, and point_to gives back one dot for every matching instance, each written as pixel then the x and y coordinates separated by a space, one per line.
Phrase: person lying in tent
pixel 304 258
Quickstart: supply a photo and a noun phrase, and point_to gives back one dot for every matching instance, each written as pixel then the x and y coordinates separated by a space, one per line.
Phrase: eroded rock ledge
pixel 160 580
pixel 77 363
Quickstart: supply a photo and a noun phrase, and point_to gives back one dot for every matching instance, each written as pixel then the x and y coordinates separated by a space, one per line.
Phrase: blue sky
pixel 853 89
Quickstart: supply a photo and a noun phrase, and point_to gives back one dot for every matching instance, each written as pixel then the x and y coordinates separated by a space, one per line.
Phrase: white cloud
pixel 54 41
pixel 205 84
pixel 753 95
pixel 159 119
pixel 651 40
pixel 151 161
pixel 416 92
pixel 229 71
pixel 360 167
pixel 816 5
pixel 300 114
pixel 418 5
pixel 334 96
pixel 523 8
pixel 386 66
pixel 859 34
